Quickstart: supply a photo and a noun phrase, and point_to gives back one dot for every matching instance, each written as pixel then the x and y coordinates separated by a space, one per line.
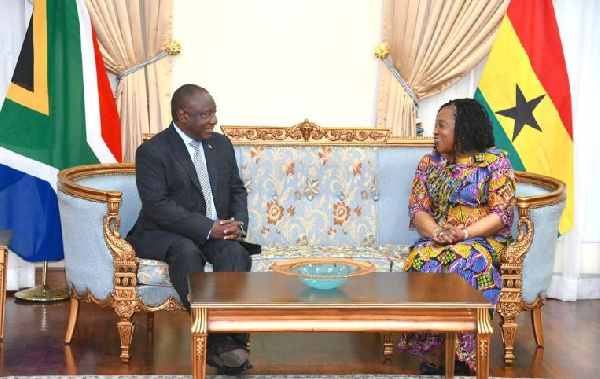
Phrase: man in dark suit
pixel 194 207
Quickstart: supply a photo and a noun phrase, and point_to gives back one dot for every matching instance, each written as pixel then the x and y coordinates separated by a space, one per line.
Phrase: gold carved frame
pixel 308 133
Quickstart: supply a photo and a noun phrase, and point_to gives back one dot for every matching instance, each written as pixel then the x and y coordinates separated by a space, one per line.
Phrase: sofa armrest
pixel 542 192
pixel 526 265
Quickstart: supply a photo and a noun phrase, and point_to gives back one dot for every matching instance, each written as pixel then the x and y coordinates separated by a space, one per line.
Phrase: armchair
pixel 98 206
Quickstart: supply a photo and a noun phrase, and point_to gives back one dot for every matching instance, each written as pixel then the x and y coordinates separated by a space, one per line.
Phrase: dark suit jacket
pixel 173 205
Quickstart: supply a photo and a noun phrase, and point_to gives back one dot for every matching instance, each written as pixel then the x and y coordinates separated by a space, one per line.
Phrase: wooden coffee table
pixel 379 302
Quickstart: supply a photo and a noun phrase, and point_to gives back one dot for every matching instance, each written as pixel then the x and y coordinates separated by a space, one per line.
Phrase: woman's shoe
pixel 461 367
pixel 431 368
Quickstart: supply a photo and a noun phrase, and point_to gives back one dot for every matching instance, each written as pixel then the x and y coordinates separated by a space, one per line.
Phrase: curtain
pixel 433 43
pixel 19 273
pixel 579 26
pixel 131 32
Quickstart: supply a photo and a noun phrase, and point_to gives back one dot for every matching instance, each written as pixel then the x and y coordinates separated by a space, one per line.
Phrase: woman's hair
pixel 472 129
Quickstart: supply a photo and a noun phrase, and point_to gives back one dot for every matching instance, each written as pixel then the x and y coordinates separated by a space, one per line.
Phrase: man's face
pixel 199 117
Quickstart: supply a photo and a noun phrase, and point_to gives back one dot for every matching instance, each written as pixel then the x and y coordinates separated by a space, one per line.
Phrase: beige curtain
pixel 131 32
pixel 433 44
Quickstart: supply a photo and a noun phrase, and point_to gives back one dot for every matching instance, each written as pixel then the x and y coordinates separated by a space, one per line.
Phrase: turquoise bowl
pixel 323 273
pixel 336 274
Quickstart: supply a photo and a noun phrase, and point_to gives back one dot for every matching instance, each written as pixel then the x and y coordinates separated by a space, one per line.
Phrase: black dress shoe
pixel 431 368
pixel 214 360
pixel 234 370
pixel 227 352
pixel 234 358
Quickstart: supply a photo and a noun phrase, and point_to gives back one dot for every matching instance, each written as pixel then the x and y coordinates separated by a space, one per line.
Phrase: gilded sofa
pixel 312 191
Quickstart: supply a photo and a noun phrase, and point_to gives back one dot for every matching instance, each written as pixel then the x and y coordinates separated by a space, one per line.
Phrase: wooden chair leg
pixel 509 330
pixel 388 347
pixel 536 320
pixel 125 327
pixel 510 303
pixel 70 365
pixel 150 321
pixel 73 314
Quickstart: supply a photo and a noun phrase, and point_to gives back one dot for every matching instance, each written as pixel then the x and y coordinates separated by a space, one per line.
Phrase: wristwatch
pixel 243 234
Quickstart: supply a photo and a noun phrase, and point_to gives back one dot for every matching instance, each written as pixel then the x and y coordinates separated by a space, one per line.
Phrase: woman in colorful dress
pixel 462 204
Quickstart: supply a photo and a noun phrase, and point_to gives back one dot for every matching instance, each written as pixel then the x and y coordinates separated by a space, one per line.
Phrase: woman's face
pixel 443 133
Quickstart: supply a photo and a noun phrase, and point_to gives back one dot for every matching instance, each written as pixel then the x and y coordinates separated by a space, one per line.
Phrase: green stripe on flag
pixel 501 139
pixel 59 139
pixel 71 147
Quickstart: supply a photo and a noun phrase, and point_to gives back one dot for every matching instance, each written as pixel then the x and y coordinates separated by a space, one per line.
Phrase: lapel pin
pixel 210 146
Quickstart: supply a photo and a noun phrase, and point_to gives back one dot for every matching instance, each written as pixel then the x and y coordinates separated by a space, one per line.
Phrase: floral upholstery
pixel 307 202
pixel 153 273
pixel 385 258
pixel 280 253
pixel 311 196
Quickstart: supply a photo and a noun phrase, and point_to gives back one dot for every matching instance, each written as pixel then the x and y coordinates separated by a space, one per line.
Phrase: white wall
pixel 272 62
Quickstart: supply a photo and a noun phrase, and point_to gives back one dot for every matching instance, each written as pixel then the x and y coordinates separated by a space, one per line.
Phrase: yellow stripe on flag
pixel 38 98
pixel 547 152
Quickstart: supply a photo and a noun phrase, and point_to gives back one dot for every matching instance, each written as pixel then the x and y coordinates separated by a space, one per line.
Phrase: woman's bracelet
pixel 465 234
pixel 437 231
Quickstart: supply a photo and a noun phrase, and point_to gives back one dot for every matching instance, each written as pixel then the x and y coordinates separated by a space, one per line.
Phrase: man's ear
pixel 182 115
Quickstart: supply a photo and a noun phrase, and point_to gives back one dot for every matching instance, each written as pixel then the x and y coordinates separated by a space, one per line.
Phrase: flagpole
pixel 42 292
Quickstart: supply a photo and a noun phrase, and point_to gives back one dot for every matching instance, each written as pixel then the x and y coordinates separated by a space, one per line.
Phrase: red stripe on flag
pixel 535 25
pixel 109 116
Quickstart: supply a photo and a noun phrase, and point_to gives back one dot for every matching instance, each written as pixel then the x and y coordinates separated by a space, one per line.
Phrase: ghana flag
pixel 59 112
pixel 525 89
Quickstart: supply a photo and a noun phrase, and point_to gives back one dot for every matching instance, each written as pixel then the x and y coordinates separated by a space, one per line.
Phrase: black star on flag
pixel 522 112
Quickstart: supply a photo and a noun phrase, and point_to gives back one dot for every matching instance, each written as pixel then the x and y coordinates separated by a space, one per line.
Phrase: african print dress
pixel 460 194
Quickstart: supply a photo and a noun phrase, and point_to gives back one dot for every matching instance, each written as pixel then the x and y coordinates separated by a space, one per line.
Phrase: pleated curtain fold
pixel 433 44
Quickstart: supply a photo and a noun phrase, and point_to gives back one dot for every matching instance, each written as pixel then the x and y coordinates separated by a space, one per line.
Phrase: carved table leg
pixel 484 335
pixel 388 347
pixel 450 337
pixel 199 338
